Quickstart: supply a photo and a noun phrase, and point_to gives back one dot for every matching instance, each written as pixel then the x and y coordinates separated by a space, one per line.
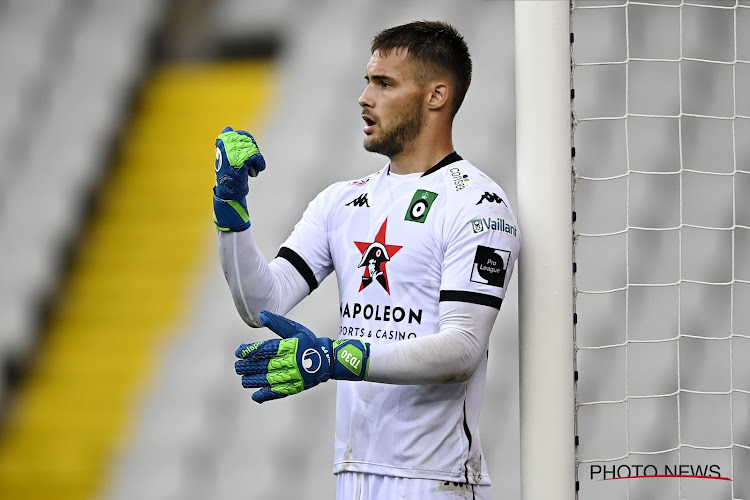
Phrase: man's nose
pixel 365 100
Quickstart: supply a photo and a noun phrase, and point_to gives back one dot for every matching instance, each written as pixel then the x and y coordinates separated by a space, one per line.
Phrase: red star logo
pixel 375 256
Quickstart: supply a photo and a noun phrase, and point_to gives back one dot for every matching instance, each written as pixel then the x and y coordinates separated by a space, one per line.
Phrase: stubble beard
pixel 393 140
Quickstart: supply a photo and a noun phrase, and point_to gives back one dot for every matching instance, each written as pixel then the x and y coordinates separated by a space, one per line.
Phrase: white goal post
pixel 635 263
pixel 544 183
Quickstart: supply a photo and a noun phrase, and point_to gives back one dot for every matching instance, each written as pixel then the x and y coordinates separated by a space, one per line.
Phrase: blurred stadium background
pixel 117 330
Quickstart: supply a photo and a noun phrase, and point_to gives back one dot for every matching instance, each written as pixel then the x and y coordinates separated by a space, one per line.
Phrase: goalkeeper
pixel 423 251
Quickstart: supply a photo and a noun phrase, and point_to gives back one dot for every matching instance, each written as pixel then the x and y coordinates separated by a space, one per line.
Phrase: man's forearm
pixel 451 355
pixel 255 284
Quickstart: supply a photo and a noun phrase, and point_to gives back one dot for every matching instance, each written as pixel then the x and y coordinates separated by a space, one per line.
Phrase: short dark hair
pixel 436 46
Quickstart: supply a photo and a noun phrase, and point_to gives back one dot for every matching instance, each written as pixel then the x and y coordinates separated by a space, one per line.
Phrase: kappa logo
pixel 360 201
pixel 492 198
pixel 375 256
pixel 490 266
pixel 457 484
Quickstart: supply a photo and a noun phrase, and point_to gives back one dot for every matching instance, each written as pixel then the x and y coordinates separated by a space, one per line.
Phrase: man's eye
pixel 385 84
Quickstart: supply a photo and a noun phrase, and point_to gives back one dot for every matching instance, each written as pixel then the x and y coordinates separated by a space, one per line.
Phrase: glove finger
pixel 283 327
pixel 251 366
pixel 259 350
pixel 266 394
pixel 256 165
pixel 257 380
pixel 228 129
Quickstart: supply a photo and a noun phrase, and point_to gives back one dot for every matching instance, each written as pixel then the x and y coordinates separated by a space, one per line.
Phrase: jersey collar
pixel 451 158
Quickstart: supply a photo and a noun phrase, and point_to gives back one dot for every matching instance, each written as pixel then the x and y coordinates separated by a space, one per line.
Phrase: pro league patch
pixel 490 265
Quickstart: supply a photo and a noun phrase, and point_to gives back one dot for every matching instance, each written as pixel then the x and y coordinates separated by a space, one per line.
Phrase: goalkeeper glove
pixel 297 361
pixel 237 156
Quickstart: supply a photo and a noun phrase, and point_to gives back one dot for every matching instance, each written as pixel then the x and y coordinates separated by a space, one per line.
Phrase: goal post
pixel 635 264
pixel 544 184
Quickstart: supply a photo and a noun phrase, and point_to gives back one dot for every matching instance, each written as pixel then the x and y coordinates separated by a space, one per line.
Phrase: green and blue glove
pixel 237 157
pixel 297 361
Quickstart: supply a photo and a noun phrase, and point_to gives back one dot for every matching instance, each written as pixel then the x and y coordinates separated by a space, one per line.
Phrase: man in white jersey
pixel 423 252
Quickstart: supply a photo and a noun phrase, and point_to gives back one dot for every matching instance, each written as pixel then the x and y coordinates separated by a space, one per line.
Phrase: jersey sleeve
pixel 481 243
pixel 451 355
pixel 307 248
pixel 255 284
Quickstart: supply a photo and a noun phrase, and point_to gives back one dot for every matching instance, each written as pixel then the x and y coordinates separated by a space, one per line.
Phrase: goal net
pixel 659 132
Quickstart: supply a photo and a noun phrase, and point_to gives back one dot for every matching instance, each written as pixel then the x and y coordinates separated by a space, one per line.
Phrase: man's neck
pixel 417 158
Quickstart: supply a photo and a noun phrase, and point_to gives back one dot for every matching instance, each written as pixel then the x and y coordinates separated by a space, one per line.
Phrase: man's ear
pixel 439 95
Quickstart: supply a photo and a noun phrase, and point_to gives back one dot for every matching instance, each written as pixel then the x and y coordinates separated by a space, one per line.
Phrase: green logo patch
pixel 351 357
pixel 420 206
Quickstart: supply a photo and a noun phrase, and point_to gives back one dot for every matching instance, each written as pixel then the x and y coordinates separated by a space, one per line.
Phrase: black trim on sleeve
pixel 300 265
pixel 471 297
pixel 451 158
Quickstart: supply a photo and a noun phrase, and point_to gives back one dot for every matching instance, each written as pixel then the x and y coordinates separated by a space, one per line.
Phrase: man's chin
pixel 382 149
pixel 371 145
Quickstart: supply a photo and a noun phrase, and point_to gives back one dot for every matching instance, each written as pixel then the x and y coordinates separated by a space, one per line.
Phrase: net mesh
pixel 661 129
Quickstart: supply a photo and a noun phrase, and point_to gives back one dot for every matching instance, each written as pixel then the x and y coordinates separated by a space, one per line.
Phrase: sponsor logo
pixel 420 206
pixel 379 333
pixel 217 165
pixel 375 256
pixel 360 201
pixel 360 182
pixel 249 349
pixel 460 180
pixel 490 266
pixel 492 198
pixel 493 224
pixel 377 312
pixel 311 360
pixel 351 358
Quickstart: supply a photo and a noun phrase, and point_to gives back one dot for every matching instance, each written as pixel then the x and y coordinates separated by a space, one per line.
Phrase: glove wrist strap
pixel 231 215
pixel 351 359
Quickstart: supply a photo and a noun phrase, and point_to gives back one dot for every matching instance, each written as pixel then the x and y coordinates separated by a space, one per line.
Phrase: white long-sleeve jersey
pixel 422 263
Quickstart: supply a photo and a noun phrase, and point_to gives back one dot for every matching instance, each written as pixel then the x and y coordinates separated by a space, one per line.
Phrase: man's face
pixel 391 104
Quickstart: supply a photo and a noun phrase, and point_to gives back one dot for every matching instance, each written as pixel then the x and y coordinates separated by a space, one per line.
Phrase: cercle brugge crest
pixel 420 206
